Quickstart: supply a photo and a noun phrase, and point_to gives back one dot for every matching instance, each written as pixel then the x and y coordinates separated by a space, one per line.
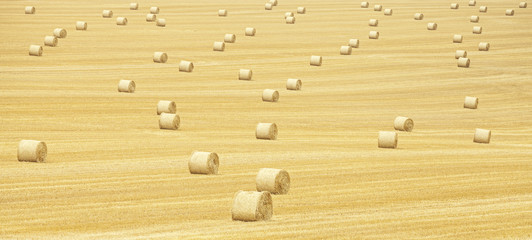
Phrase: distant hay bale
pixel 151 17
pixel 250 31
pixel 477 29
pixel 50 41
pixel 457 38
pixel 154 10
pixel 290 20
pixel 315 61
pixel 418 16
pixel 222 13
pixel 32 151
pixel 474 19
pixel 345 50
pixel 364 4
pixel 245 74
pixel 483 9
pixel 121 21
pixel 387 139
pixel 388 12
pixel 483 46
pixel 229 38
pixel 29 10
pixel 133 6
pixel 160 57
pixel 268 6
pixel 267 131
pixel 374 35
pixel 377 8
pixel 403 124
pixel 164 106
pixel 270 95
pixel 252 206
pixel 463 62
pixel 186 66
pixel 471 102
pixel 509 12
pixel 35 50
pixel 126 86
pixel 294 84
pixel 161 22
pixel 460 54
pixel 60 32
pixel 472 3
pixel 218 46
pixel 454 5
pixel 354 43
pixel 107 13
pixel 273 2
pixel 523 5
pixel 301 10
pixel 432 26
pixel 203 163
pixel 373 22
pixel 81 25
pixel 482 136
pixel 169 121
pixel 275 181
pixel 288 14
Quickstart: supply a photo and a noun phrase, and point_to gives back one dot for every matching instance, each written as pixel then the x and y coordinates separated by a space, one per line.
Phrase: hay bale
pixel 432 26
pixel 454 5
pixel 418 16
pixel 373 22
pixel 374 35
pixel 377 8
pixel 245 74
pixel 460 54
pixel 477 29
pixel 275 181
pixel 345 50
pixel 474 19
pixel 482 136
pixel 222 13
pixel 203 163
pixel 387 139
pixel 250 31
pixel 29 10
pixel 270 95
pixel 107 13
pixel 169 121
pixel 471 102
pixel 483 46
pixel 164 106
pixel 150 17
pixel 354 43
pixel 161 22
pixel 457 38
pixel 35 50
pixel 364 4
pixel 301 10
pixel 121 21
pixel 229 38
pixel 509 12
pixel 50 41
pixel 160 57
pixel 126 86
pixel 267 131
pixel 523 5
pixel 463 62
pixel 81 25
pixel 252 206
pixel 186 66
pixel 60 32
pixel 218 46
pixel 293 84
pixel 472 3
pixel 32 151
pixel 288 14
pixel 133 6
pixel 268 6
pixel 388 12
pixel 483 9
pixel 273 2
pixel 154 10
pixel 290 20
pixel 403 124
pixel 315 61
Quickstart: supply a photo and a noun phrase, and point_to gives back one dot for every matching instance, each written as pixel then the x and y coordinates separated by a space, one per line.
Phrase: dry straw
pixel 218 46
pixel 483 9
pixel 164 106
pixel 373 22
pixel 293 84
pixel 121 21
pixel 60 32
pixel 50 41
pixel 457 38
pixel 252 206
pixel 388 12
pixel 169 121
pixel 133 6
pixel 81 25
pixel 250 31
pixel 315 61
pixel 345 50
pixel 483 46
pixel 523 5
pixel 288 14
pixel 268 6
pixel 364 4
pixel 463 62
pixel 472 3
pixel 374 35
pixel 290 20
pixel 403 124
pixel 471 102
pixel 301 10
pixel 482 136
pixel 29 10
pixel 107 14
pixel 160 57
pixel 273 2
pixel 161 22
pixel 35 50
pixel 150 17
pixel 354 43
pixel 418 16
pixel 126 86
pixel 275 181
pixel 509 12
pixel 270 95
pixel 32 151
pixel 387 139
pixel 186 66
pixel 229 38
pixel 203 163
pixel 432 26
pixel 267 131
pixel 460 54
pixel 154 10
pixel 222 13
pixel 454 5
pixel 477 29
pixel 474 19
pixel 377 8
pixel 245 74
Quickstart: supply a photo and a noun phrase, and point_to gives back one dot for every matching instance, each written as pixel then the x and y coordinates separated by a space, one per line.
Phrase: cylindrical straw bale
pixel 150 17
pixel 266 131
pixel 483 9
pixel 301 10
pixel 463 62
pixel 471 102
pixel 245 74
pixel 161 22
pixel 474 19
pixel 293 84
pixel 354 43
pixel 288 14
pixel 252 206
pixel 222 13
pixel 268 6
pixel 229 38
pixel 345 50
pixel 250 31
pixel 60 32
pixel 29 10
pixel 290 20
pixel 403 124
pixel 472 3
pixel 482 136
pixel 388 12
pixel 107 13
pixel 315 61
pixel 160 57
pixel 523 5
pixel 364 4
pixel 477 29
pixel 218 46
pixel 164 106
pixel 457 38
pixel 32 151
pixel 186 66
pixel 203 163
pixel 387 139
pixel 275 181
pixel 121 21
pixel 460 54
pixel 50 41
pixel 270 95
pixel 509 12
pixel 454 5
pixel 374 35
pixel 273 2
pixel 432 26
pixel 127 86
pixel 81 25
pixel 377 8
pixel 154 10
pixel 133 6
pixel 373 22
pixel 483 46
pixel 169 121
pixel 418 16
pixel 35 50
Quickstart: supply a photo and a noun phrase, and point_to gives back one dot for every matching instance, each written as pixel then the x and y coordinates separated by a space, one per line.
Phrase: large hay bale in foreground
pixel 387 139
pixel 252 206
pixel 471 102
pixel 29 10
pixel 80 25
pixel 35 50
pixel 267 131
pixel 126 86
pixel 482 136
pixel 270 95
pixel 160 57
pixel 32 151
pixel 169 121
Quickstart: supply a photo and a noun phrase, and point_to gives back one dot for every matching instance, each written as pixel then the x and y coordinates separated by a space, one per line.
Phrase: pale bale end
pixel 81 25
pixel 160 57
pixel 245 74
pixel 203 163
pixel 32 151
pixel 301 10
pixel 161 22
pixel 403 124
pixel 35 50
pixel 288 14
pixel 169 121
pixel 270 95
pixel 290 20
pixel 294 84
pixel 345 50
pixel 377 8
pixel 273 2
pixel 374 35
pixel 126 86
pixel 133 6
pixel 364 4
pixel 121 21
pixel 252 206
pixel 474 19
pixel 154 10
pixel 250 32
pixel 471 102
pixel 60 32
pixel 463 62
pixel 482 136
pixel 472 3
pixel 523 5
pixel 268 6
pixel 509 12
pixel 373 22
pixel 457 38
pixel 460 54
pixel 218 46
pixel 107 13
pixel 483 9
pixel 275 181
pixel 164 106
pixel 29 10
pixel 229 38
pixel 354 43
pixel 455 5
pixel 418 16
pixel 150 17
pixel 387 139
pixel 432 26
pixel 483 46
pixel 50 41
pixel 222 13
pixel 267 131
pixel 388 12
pixel 186 66
pixel 477 30
pixel 315 61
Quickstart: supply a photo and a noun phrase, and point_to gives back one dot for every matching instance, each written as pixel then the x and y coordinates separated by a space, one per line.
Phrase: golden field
pixel 111 173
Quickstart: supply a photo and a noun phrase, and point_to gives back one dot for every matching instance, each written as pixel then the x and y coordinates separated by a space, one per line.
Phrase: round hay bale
pixel 154 10
pixel 273 2
pixel 403 124
pixel 35 50
pixel 270 95
pixel 301 10
pixel 275 181
pixel 229 38
pixel 315 60
pixel 482 136
pixel 50 41
pixel 164 106
pixel 454 5
pixel 218 46
pixel 121 21
pixel 160 57
pixel 288 14
pixel 250 31
pixel 60 32
pixel 388 12
pixel 133 6
pixel 161 22
pixel 472 3
pixel 222 13
pixel 245 74
pixel 29 10
pixel 252 206
pixel 81 25
pixel 126 86
pixel 374 35
pixel 432 26
pixel 203 163
pixel 477 29
pixel 186 66
pixel 457 38
pixel 463 62
pixel 32 151
pixel 483 9
pixel 471 102
pixel 418 16
pixel 373 22
pixel 377 8
pixel 267 131
pixel 169 121
pixel 268 6
pixel 509 12
pixel 354 43
pixel 474 19
pixel 387 139
pixel 290 20
pixel 460 54
pixel 345 50
pixel 523 5
pixel 151 17
pixel 107 13
pixel 293 84
pixel 364 4
pixel 483 46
